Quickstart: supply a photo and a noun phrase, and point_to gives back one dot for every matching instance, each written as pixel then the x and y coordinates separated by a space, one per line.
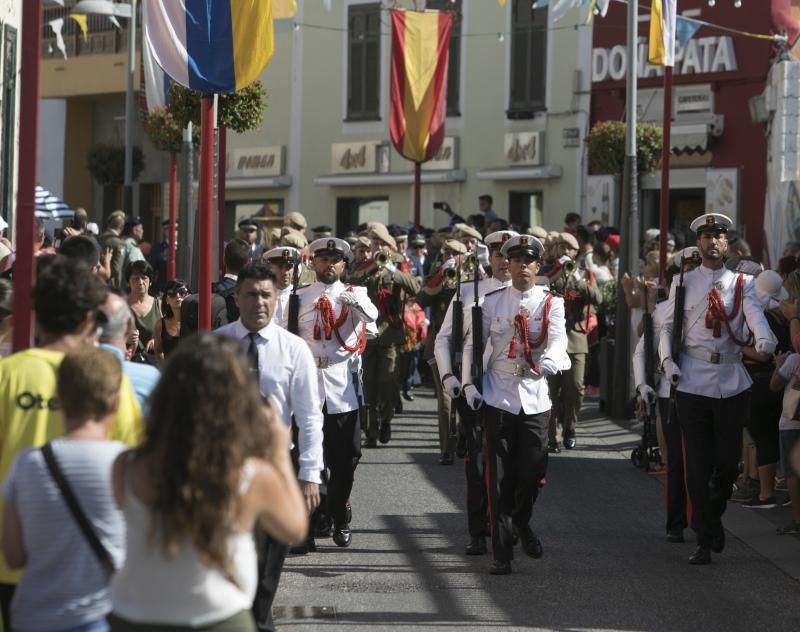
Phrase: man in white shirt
pixel 712 386
pixel 283 260
pixel 286 374
pixel 332 319
pixel 525 339
pixel 477 508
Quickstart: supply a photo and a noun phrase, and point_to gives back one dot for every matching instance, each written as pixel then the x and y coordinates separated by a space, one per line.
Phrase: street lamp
pixel 121 10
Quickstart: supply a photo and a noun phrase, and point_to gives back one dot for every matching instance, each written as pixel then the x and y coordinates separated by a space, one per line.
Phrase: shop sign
pixel 722 192
pixel 701 55
pixel 524 148
pixel 354 157
pixel 571 137
pixel 256 162
pixel 446 159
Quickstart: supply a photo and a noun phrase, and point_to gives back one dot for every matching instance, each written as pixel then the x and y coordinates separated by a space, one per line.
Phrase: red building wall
pixel 743 143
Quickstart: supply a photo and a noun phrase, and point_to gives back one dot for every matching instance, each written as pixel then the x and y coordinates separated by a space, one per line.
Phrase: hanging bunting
pixel 83 23
pixel 420 46
pixel 662 33
pixel 57 25
pixel 114 21
pixel 685 29
pixel 220 49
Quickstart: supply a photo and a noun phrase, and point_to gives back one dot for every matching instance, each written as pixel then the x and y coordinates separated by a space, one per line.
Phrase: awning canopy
pixel 48 206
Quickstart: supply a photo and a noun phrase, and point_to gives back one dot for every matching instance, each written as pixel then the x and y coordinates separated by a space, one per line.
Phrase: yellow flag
pixel 83 22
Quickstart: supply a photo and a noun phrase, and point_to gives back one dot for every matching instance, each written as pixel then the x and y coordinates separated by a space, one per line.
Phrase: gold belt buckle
pixel 322 363
pixel 520 371
pixel 714 359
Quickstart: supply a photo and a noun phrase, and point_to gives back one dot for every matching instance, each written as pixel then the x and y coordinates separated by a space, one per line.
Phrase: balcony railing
pixel 103 37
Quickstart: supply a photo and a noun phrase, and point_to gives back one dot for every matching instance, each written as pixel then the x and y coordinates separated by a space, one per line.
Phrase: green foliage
pixel 607 147
pixel 239 111
pixel 165 132
pixel 106 163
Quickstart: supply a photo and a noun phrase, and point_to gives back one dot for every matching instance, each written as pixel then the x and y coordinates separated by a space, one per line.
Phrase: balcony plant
pixel 607 148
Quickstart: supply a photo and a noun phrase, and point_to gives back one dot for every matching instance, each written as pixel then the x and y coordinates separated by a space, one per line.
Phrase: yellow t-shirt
pixel 30 417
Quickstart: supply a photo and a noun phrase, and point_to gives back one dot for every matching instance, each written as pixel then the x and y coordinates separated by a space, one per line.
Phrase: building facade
pixel 719 147
pixel 515 126
pixel 10 18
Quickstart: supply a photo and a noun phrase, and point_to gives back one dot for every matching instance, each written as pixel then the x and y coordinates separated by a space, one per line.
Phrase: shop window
pixel 525 208
pixel 350 212
pixel 363 62
pixel 528 60
pixel 454 56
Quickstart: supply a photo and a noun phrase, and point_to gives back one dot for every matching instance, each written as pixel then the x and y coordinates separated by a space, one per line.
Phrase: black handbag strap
pixel 103 556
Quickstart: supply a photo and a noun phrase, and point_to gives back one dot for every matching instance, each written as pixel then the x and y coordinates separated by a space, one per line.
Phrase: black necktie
pixel 252 352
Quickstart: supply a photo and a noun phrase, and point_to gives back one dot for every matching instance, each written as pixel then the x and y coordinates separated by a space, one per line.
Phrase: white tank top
pixel 183 590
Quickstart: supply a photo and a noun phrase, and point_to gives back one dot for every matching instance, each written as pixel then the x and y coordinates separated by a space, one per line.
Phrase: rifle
pixel 457 341
pixel 294 302
pixel 677 333
pixel 646 454
pixel 476 370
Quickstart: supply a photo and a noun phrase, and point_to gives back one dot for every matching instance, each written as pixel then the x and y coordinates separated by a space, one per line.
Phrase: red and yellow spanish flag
pixel 420 45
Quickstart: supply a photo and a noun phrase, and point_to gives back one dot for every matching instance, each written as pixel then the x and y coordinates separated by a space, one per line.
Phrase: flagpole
pixel 173 212
pixel 666 151
pixel 31 51
pixel 629 225
pixel 417 191
pixel 222 140
pixel 206 211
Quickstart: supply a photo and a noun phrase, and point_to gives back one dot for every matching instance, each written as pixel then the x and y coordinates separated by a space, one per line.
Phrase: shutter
pixel 528 60
pixel 454 56
pixel 363 62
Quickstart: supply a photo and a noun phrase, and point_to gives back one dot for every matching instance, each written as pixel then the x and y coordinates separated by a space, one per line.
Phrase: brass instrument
pixel 450 274
pixel 381 259
pixel 569 268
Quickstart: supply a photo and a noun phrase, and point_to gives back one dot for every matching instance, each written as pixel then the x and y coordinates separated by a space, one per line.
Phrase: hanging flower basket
pixel 106 163
pixel 607 148
pixel 239 111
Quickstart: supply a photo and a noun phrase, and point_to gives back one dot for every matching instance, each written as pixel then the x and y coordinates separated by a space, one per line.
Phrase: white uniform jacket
pixel 443 345
pixel 712 366
pixel 282 305
pixel 661 386
pixel 509 383
pixel 334 363
pixel 288 377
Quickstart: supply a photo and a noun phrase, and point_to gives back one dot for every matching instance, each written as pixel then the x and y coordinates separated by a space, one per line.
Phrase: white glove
pixel 347 298
pixel 548 366
pixel 672 371
pixel 647 394
pixel 473 397
pixel 451 386
pixel 450 263
pixel 390 267
pixel 765 346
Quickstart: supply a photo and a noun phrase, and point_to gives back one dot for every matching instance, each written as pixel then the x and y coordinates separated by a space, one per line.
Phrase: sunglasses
pixel 179 292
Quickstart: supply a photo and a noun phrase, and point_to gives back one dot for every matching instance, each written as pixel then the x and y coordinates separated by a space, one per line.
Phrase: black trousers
pixel 477 502
pixel 516 464
pixel 675 489
pixel 6 593
pixel 271 556
pixel 712 436
pixel 341 447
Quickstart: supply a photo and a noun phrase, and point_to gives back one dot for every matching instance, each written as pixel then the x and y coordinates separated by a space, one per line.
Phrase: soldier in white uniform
pixel 282 260
pixel 477 508
pixel 525 340
pixel 712 385
pixel 659 394
pixel 284 369
pixel 333 319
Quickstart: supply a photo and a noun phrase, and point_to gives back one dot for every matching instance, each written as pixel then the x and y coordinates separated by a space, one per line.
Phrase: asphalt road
pixel 606 564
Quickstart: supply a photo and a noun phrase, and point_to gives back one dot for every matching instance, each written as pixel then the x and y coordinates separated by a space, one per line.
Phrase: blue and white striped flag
pixel 48 206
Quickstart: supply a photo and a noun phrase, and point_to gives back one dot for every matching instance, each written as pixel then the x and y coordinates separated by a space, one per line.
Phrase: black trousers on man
pixel 516 462
pixel 675 490
pixel 341 446
pixel 712 436
pixel 271 556
pixel 477 502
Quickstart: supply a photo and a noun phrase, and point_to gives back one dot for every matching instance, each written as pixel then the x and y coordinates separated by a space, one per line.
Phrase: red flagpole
pixel 666 151
pixel 173 211
pixel 417 192
pixel 221 166
pixel 206 210
pixel 30 51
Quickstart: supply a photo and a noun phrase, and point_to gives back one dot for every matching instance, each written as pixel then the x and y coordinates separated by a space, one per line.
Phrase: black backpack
pixel 226 293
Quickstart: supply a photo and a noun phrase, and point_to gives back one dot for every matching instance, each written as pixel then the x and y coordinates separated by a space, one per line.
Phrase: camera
pixel 441 205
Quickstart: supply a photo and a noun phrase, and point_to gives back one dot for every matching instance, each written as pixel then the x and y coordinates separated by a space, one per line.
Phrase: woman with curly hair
pixel 213 464
pixel 167 332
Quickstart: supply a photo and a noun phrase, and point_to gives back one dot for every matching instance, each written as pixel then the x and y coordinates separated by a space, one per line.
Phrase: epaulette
pixel 496 290
pixel 303 286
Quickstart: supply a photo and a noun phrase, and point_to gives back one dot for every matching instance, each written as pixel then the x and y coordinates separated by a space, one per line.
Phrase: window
pixel 351 212
pixel 525 208
pixel 528 60
pixel 454 57
pixel 363 62
pixel 7 120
